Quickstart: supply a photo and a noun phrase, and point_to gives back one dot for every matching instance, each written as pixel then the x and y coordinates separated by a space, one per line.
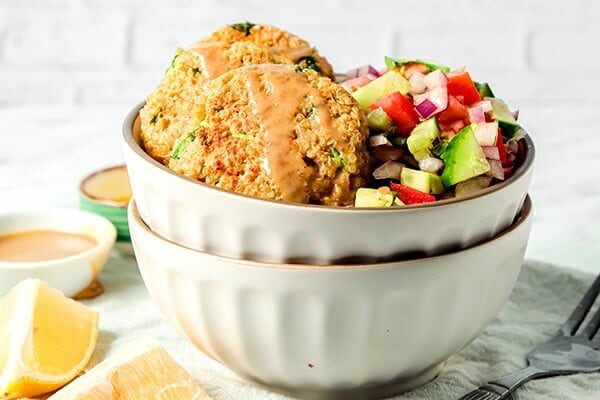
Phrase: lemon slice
pixel 46 339
pixel 142 372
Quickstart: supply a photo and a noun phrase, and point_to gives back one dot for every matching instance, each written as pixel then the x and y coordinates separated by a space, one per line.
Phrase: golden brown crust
pixel 167 110
pixel 237 162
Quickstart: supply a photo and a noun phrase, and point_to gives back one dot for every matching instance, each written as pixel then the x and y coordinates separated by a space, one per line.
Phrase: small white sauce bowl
pixel 70 274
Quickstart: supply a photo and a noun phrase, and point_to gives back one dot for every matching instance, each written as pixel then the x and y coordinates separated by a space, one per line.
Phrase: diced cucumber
pixel 398 141
pixel 378 120
pixel 484 89
pixel 421 138
pixel 388 83
pixel 392 63
pixel 506 119
pixel 422 181
pixel 464 158
pixel 368 197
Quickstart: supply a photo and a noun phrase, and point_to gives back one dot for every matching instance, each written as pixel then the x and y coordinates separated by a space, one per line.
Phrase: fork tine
pixel 592 327
pixel 578 315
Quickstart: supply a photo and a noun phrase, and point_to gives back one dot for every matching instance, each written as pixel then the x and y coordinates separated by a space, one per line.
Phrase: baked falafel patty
pixel 276 132
pixel 168 108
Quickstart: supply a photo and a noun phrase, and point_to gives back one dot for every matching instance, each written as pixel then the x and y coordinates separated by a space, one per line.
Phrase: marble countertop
pixel 44 151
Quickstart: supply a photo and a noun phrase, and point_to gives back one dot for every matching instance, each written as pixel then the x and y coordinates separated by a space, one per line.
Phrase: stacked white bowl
pixel 325 302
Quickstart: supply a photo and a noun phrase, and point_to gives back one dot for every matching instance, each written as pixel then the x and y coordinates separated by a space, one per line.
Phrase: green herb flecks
pixel 311 111
pixel 241 135
pixel 156 116
pixel 243 27
pixel 190 137
pixel 195 70
pixel 392 63
pixel 172 65
pixel 335 154
pixel 307 62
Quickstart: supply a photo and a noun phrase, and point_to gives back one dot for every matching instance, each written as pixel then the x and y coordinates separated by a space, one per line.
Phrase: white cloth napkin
pixel 543 298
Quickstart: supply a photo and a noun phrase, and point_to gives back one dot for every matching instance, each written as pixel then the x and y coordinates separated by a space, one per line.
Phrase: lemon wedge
pixel 144 371
pixel 46 339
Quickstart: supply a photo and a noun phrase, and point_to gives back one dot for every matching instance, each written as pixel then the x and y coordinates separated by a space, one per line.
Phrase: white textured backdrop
pixel 105 51
pixel 69 70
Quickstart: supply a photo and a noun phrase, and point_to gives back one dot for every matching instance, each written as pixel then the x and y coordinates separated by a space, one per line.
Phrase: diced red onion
pixel 426 109
pixel 513 146
pixel 491 152
pixel 352 84
pixel 486 133
pixel 435 79
pixel 387 153
pixel 388 170
pixel 522 152
pixel 496 169
pixel 476 115
pixel 417 83
pixel 486 105
pixel 383 71
pixel 508 171
pixel 379 140
pixel 362 71
pixel 438 96
pixel 510 159
pixel 431 164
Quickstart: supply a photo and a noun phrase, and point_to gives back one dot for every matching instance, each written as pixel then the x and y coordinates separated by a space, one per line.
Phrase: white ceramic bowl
pixel 71 275
pixel 334 331
pixel 209 219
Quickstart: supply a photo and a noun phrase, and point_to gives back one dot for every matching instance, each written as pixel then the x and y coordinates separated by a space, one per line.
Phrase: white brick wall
pixel 114 51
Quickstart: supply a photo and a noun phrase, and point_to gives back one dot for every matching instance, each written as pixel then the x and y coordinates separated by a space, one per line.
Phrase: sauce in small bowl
pixel 66 248
pixel 107 193
pixel 43 245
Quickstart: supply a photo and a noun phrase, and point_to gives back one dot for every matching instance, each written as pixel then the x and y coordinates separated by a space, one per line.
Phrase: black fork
pixel 572 350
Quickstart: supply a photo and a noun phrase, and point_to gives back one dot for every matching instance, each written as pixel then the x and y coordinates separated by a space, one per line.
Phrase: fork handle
pixel 503 387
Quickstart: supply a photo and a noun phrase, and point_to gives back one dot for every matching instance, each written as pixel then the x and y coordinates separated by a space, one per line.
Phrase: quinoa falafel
pixel 276 132
pixel 169 107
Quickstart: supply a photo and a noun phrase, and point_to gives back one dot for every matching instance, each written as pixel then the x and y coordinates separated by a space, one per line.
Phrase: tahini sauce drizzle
pixel 212 58
pixel 277 93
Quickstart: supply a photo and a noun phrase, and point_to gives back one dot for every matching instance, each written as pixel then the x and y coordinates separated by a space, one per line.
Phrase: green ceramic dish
pixel 106 192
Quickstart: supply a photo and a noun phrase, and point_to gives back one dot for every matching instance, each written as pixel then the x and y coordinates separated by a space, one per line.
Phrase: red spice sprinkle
pixel 311 365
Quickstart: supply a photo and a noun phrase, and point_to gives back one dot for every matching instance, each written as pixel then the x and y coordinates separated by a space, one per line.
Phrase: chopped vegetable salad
pixel 435 133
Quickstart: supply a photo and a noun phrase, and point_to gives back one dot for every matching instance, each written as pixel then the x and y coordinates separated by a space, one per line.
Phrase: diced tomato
pixel 400 110
pixel 409 195
pixel 461 84
pixel 409 69
pixel 500 146
pixel 455 111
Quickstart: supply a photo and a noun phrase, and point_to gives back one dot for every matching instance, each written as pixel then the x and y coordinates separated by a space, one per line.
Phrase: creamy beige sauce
pixel 42 245
pixel 214 62
pixel 293 54
pixel 109 184
pixel 277 93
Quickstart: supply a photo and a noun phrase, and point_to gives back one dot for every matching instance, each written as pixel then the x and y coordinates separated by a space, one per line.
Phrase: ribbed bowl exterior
pixel 204 218
pixel 330 328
